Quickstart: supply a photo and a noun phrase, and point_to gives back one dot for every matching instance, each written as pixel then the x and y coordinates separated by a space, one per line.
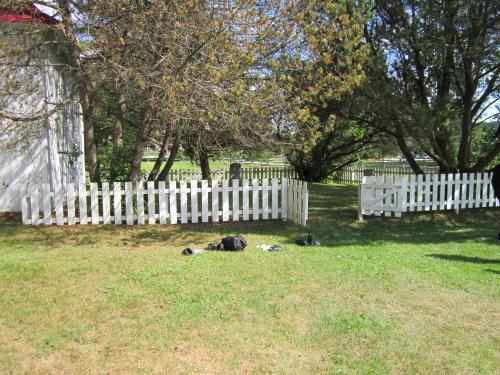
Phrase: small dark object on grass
pixel 275 249
pixel 189 251
pixel 310 241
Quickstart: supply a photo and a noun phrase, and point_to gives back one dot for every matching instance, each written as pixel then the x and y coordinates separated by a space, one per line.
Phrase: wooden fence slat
pixel 106 217
pixel 82 203
pixel 183 197
pixel 245 201
pixel 420 191
pixel 484 193
pixel 236 200
pixel 255 200
pixel 449 191
pixel 117 202
pixel 129 208
pixel 456 192
pixel 472 180
pixel 413 184
pixel 265 199
pixel 427 200
pixel 139 191
pixel 47 205
pixel 274 198
pixel 194 201
pixel 478 189
pixel 215 201
pixel 151 203
pixel 162 202
pixel 70 203
pixel 204 201
pixel 435 191
pixel 465 185
pixel 442 192
pixel 94 204
pixel 284 198
pixel 172 197
pixel 225 200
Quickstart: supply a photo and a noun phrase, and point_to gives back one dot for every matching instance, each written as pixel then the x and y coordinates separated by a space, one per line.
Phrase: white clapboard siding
pixel 47 210
pixel 241 201
pixel 382 194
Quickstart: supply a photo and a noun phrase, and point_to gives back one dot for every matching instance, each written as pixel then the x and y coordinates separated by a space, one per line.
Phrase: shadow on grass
pixel 332 218
pixel 495 272
pixel 462 258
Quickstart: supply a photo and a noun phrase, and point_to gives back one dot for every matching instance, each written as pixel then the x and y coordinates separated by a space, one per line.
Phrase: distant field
pixel 217 164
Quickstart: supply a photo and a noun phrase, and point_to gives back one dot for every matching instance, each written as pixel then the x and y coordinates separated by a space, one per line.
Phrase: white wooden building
pixel 41 127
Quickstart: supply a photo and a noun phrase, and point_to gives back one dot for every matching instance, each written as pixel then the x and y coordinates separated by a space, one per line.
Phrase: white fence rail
pixel 173 202
pixel 387 195
pixel 353 174
pixel 223 174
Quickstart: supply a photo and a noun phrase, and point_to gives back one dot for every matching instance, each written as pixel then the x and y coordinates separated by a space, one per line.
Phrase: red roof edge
pixel 30 14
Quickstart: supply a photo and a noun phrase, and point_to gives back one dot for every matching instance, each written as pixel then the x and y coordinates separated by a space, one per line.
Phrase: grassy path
pixel 419 295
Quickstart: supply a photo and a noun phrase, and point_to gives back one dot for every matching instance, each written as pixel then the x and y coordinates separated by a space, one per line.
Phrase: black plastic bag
pixel 236 243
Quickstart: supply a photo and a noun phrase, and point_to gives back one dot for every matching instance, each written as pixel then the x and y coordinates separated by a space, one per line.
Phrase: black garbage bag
pixel 233 243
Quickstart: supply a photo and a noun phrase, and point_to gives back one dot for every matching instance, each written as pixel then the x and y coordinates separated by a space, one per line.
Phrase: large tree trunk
pixel 134 173
pixel 161 156
pixel 171 159
pixel 403 146
pixel 119 123
pixel 204 165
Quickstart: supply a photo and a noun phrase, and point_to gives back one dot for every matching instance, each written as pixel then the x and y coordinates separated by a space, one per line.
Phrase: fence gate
pixel 380 197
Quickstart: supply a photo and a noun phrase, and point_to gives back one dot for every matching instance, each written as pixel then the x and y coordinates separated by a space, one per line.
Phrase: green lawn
pixel 418 295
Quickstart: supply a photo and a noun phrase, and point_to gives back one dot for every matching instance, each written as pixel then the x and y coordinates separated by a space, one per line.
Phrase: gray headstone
pixel 234 171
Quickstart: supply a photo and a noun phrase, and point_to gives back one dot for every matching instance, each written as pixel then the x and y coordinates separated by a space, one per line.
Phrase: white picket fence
pixel 175 202
pixel 387 195
pixel 353 174
pixel 245 173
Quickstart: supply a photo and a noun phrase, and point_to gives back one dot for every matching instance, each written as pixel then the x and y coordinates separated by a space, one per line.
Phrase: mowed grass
pixel 418 295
